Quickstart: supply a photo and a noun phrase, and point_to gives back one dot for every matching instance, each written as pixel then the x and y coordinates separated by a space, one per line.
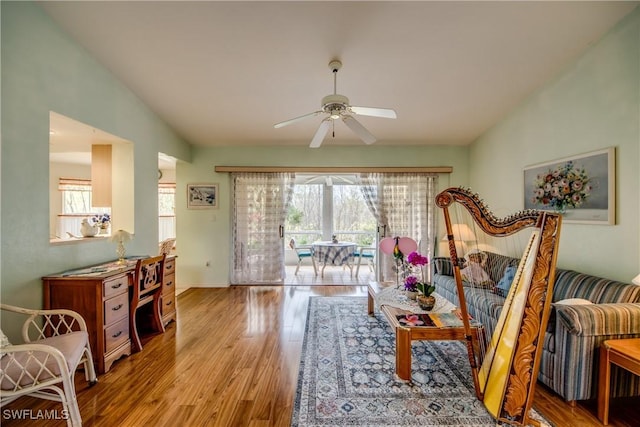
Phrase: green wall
pixel 215 224
pixel 594 104
pixel 43 70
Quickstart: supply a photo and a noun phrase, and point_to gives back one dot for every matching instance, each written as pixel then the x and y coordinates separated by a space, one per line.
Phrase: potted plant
pixel 415 282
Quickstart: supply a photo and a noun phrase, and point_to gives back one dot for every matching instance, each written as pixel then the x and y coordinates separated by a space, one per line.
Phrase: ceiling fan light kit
pixel 337 106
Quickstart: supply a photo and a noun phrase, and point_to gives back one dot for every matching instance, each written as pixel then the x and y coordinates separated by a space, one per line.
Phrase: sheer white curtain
pixel 404 206
pixel 260 202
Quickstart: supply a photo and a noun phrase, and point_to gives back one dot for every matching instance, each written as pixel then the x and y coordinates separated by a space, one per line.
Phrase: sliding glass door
pixel 403 204
pixel 359 208
pixel 260 203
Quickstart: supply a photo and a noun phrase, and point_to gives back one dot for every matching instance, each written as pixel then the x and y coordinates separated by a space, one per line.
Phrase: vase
pixel 412 295
pixel 426 302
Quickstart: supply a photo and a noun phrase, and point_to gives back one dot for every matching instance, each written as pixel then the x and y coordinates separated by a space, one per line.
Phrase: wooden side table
pixel 624 353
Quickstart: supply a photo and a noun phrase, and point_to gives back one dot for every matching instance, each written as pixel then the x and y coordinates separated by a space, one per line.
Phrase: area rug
pixel 347 374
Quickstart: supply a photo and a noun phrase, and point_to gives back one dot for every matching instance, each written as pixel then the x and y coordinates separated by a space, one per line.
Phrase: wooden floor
pixel 232 360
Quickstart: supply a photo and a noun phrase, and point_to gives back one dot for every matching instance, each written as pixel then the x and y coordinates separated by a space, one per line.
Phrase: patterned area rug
pixel 347 374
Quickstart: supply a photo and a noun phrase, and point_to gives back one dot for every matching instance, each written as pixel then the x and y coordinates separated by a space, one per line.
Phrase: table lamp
pixel 461 233
pixel 120 236
pixel 636 280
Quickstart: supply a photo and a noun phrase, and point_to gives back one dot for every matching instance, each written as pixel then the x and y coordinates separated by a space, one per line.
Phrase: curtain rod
pixel 335 169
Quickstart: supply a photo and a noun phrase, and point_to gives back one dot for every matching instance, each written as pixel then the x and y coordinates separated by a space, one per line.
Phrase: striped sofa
pixel 569 362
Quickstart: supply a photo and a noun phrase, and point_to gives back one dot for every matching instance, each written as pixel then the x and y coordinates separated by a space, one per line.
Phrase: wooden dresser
pixel 101 295
pixel 169 291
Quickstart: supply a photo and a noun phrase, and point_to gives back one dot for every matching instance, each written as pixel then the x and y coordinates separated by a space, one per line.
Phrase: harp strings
pixel 488 265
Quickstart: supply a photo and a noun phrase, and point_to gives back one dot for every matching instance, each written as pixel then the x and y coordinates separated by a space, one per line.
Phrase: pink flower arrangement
pixel 412 283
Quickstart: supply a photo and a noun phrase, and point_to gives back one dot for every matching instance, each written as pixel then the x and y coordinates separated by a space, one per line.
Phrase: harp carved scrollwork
pixel 505 364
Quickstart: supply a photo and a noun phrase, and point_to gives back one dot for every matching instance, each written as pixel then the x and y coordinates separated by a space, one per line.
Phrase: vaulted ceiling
pixel 223 73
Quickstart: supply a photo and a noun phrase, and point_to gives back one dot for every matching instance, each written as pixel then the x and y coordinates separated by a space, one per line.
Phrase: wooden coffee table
pixel 406 334
pixel 624 353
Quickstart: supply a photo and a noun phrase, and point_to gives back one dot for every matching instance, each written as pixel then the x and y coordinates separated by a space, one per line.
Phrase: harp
pixel 505 362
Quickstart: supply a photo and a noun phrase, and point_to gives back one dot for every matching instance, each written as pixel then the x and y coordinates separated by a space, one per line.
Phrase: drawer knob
pixel 116 335
pixel 169 283
pixel 169 302
pixel 116 286
pixel 117 307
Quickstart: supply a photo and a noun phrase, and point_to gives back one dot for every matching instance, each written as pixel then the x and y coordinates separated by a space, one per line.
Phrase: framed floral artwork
pixel 202 196
pixel 581 187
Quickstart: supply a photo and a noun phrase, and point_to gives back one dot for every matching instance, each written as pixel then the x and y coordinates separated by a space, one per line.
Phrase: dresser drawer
pixel 116 334
pixel 169 266
pixel 115 286
pixel 116 308
pixel 168 303
pixel 169 284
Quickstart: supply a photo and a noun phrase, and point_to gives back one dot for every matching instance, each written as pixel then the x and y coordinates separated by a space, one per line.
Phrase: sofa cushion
pixel 483 305
pixel 572 284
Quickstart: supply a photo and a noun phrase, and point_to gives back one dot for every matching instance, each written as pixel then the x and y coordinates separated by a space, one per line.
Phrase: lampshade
pixel 636 280
pixel 120 236
pixel 461 233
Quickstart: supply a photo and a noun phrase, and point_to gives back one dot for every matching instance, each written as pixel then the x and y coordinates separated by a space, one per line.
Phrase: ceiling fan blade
pixel 290 121
pixel 359 130
pixel 375 112
pixel 320 133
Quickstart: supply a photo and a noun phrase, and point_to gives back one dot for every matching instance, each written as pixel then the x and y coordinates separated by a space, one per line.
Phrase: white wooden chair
pixel 302 253
pixel 55 343
pixel 369 254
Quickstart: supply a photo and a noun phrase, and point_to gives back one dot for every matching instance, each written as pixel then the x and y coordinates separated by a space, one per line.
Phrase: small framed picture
pixel 202 196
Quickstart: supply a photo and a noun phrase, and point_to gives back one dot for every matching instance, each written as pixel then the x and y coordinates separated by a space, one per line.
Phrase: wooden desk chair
pixel 146 291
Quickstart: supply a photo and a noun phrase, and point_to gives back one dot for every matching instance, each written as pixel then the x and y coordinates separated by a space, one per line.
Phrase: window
pixel 76 205
pixel 323 206
pixel 166 210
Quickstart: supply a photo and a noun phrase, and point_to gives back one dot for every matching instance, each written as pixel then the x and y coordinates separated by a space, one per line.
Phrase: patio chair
pixel 303 252
pixel 369 254
pixel 55 343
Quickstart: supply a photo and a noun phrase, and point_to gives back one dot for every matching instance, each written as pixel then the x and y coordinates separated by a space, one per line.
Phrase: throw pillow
pixel 443 266
pixel 503 286
pixel 573 301
pixel 4 341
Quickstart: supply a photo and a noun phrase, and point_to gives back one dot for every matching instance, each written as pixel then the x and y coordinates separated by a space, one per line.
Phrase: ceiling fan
pixel 337 106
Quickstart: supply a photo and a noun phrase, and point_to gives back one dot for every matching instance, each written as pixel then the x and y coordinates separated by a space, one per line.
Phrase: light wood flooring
pixel 333 275
pixel 232 360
